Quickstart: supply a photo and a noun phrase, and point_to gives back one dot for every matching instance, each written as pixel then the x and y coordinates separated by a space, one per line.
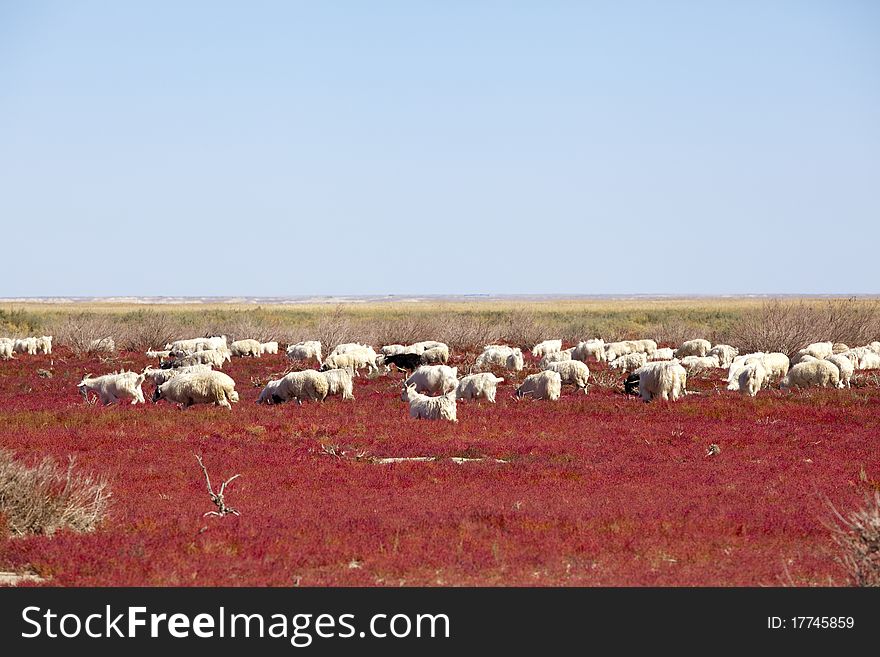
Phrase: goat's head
pixel 83 387
pixel 409 392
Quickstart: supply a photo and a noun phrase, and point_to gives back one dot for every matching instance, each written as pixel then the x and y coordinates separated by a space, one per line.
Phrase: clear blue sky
pixel 272 148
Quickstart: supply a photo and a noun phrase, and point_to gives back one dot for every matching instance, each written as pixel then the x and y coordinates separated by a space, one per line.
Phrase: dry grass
pixel 79 331
pixel 787 326
pixel 857 536
pixel 747 322
pixel 607 379
pixel 45 498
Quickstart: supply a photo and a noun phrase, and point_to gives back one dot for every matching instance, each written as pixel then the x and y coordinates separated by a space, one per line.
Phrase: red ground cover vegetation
pixel 595 489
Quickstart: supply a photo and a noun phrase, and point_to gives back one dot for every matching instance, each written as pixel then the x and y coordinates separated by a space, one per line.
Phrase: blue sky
pixel 274 148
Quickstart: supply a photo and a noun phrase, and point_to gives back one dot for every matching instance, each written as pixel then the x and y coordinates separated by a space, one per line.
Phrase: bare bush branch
pixel 523 329
pixel 674 331
pixel 788 326
pixel 245 326
pixel 78 331
pixel 218 497
pixel 857 536
pixel 144 330
pixel 607 379
pixel 44 498
pixel 333 329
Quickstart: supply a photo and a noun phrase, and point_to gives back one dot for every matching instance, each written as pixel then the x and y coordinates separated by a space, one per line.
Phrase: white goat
pixel 815 373
pixel 752 377
pixel 543 385
pixel 546 347
pixel 394 349
pixel 248 347
pixel 594 348
pixel 423 407
pixel 193 345
pixel 500 356
pixel 696 364
pixel 845 367
pixel 698 347
pixel 160 376
pixel 556 357
pixel 209 387
pixel 725 354
pixel 352 361
pixel 111 388
pixel 213 357
pixel 664 379
pixel 478 386
pixel 646 346
pixel 425 345
pixel 629 362
pixel 614 350
pixel 339 382
pixel 436 355
pixel 434 379
pixel 308 350
pixel 663 353
pixel 25 346
pixel 353 347
pixel 308 384
pixel 572 372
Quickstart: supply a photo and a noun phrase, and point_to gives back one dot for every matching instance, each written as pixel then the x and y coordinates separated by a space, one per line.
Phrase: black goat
pixel 631 386
pixel 404 361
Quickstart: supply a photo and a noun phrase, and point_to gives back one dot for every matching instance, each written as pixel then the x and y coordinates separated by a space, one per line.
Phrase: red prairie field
pixel 595 489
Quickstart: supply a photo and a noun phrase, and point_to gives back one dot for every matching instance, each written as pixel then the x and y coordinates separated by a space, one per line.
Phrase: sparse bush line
pixel 779 325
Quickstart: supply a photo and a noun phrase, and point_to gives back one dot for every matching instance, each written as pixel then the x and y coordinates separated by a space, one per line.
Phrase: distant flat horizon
pixel 399 298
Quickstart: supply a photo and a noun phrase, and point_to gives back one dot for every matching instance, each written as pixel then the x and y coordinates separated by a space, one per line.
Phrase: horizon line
pixel 409 298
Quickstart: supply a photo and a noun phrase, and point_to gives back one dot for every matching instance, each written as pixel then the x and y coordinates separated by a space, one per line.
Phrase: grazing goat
pixel 423 407
pixel 404 361
pixel 544 385
pixel 209 387
pixel 111 388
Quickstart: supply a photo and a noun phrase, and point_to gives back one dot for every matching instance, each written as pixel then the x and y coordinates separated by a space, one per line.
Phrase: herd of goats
pixel 189 373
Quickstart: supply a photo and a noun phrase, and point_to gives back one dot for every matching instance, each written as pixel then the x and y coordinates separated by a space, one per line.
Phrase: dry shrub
pixel 787 326
pixel 576 331
pixel 333 328
pixel 466 333
pixel 243 326
pixel 461 332
pixel 857 536
pixel 405 330
pixel 865 379
pixel 579 328
pixel 607 379
pixel 77 331
pixel 45 498
pixel 522 329
pixel 852 321
pixel 146 330
pixel 673 331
